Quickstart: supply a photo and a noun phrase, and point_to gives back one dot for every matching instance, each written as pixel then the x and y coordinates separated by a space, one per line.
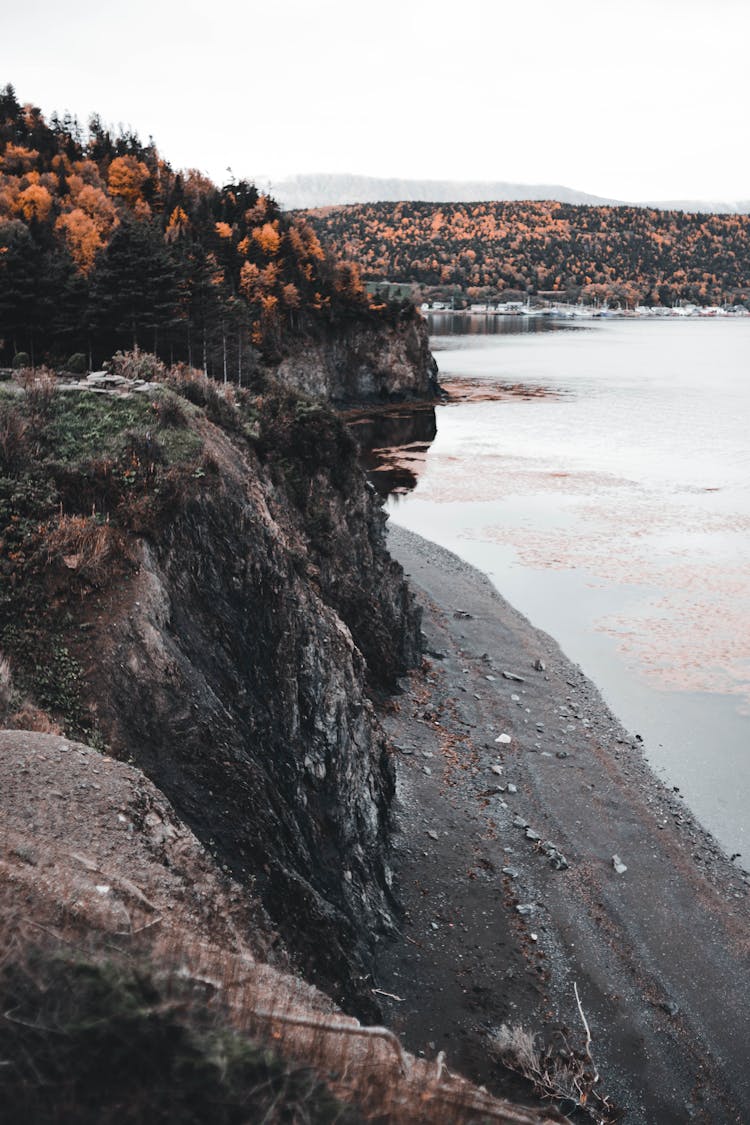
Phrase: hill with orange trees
pixel 104 246
pixel 626 255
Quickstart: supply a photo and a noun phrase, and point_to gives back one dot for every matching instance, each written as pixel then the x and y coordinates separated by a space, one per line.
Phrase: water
pixel 614 511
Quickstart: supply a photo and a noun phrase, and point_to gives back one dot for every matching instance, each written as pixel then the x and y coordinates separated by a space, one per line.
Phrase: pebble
pixel 432 834
pixel 618 865
pixel 525 908
pixel 511 872
pixel 497 770
pixel 519 822
pixel 562 754
pixel 532 835
pixel 504 739
pixel 512 788
pixel 512 676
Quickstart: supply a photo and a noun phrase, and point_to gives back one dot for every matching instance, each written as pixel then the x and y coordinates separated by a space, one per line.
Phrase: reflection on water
pixel 393 445
pixel 489 324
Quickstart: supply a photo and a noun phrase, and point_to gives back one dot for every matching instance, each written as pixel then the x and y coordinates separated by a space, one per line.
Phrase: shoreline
pixel 659 952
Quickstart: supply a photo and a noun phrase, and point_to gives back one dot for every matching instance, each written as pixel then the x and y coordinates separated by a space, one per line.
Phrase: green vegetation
pixel 103 246
pixel 79 473
pixel 90 1042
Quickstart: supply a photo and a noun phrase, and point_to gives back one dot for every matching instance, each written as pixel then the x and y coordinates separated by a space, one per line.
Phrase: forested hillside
pixel 104 246
pixel 627 255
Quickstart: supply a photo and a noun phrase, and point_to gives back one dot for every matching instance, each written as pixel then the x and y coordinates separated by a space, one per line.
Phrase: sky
pixel 633 100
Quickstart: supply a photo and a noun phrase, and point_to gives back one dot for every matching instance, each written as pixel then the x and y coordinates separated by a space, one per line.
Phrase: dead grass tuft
pixel 565 1076
pixel 14 445
pixel 93 550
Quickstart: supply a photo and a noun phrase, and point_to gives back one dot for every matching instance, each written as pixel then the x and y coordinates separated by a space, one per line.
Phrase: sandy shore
pixel 659 952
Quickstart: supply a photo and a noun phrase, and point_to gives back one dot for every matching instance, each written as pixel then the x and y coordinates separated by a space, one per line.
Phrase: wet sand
pixel 659 952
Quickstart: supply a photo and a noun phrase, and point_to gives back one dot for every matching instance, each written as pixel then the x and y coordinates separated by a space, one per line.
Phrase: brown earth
pixel 93 858
pixel 659 953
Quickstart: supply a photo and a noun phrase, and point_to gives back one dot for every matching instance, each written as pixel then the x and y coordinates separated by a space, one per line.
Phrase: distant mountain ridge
pixel 324 189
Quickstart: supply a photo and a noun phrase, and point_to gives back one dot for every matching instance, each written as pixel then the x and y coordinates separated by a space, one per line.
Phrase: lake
pixel 607 496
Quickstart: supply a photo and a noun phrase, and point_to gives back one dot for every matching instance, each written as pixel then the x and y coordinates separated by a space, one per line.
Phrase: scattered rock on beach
pixel 618 865
pixel 539 665
pixel 512 676
pixel 504 739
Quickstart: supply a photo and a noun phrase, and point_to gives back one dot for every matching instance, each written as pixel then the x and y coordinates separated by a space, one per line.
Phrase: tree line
pixel 625 255
pixel 103 246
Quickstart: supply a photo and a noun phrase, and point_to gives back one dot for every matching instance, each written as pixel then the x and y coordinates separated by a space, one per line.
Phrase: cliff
pixel 364 361
pixel 135 975
pixel 219 621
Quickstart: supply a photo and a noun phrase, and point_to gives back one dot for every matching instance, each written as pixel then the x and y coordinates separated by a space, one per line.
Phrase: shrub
pixel 40 385
pixel 14 446
pixel 137 365
pixel 93 551
pixel 169 412
pixel 21 359
pixel 77 364
pixel 217 401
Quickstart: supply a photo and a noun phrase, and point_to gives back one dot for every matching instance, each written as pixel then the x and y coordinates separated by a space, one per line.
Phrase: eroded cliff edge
pixel 363 361
pixel 220 607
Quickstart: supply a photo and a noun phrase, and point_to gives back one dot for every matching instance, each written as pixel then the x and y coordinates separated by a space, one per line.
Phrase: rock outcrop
pixel 362 362
pixel 234 669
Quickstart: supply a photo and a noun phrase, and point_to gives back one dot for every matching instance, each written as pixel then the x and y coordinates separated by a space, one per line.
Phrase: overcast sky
pixel 633 100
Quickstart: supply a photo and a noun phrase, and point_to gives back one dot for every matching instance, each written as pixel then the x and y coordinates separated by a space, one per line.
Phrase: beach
pixel 537 854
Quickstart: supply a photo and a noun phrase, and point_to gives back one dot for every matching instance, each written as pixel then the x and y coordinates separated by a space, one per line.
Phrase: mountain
pixel 329 189
pixel 300 192
pixel 625 255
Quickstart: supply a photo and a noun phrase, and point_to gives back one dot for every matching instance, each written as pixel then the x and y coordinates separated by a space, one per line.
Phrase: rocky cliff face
pixel 232 668
pixel 363 362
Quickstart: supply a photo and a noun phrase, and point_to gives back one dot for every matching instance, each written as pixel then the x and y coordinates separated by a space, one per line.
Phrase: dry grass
pixel 14 445
pixel 40 385
pixel 568 1077
pixel 94 551
pixel 211 994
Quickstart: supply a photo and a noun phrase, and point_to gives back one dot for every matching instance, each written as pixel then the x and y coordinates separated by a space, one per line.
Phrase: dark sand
pixel 659 953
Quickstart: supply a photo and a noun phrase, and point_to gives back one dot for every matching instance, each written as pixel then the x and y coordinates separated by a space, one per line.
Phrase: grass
pixel 83 426
pixel 89 1042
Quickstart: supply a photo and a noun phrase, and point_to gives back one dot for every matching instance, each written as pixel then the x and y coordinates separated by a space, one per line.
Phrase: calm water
pixel 615 514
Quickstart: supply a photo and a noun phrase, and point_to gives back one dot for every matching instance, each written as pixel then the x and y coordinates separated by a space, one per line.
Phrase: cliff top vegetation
pixel 104 246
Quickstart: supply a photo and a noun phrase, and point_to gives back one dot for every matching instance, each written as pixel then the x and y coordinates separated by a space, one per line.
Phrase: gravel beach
pixel 535 852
